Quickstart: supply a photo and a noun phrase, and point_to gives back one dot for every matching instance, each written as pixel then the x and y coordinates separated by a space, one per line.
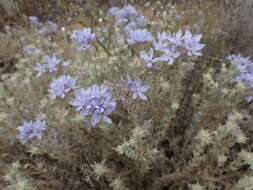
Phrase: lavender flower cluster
pixel 171 47
pixel 245 66
pixel 137 88
pixel 139 36
pixel 83 38
pixel 34 22
pixel 44 29
pixel 31 50
pixel 31 130
pixel 61 86
pixel 50 64
pixel 128 18
pixel 96 102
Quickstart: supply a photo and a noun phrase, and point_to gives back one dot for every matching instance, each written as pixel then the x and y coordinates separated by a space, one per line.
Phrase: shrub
pixel 125 104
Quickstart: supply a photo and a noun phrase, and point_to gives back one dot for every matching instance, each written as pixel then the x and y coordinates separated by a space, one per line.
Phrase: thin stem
pixel 104 48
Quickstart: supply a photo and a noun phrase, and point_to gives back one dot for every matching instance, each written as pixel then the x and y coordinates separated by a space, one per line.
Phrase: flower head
pixel 96 102
pixel 139 36
pixel 31 130
pixel 48 28
pixel 123 15
pixel 245 66
pixel 128 11
pixel 50 64
pixel 83 38
pixel 149 59
pixel 40 69
pixel 166 41
pixel 128 18
pixel 137 88
pixel 34 21
pixel 169 45
pixel 241 63
pixel 31 50
pixel 192 44
pixel 59 87
pixel 169 56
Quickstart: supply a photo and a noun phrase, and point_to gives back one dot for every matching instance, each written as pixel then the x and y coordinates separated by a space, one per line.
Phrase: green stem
pixel 104 48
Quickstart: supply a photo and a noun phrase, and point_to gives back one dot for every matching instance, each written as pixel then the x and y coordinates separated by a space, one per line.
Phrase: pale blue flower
pixel 162 41
pixel 96 102
pixel 139 36
pixel 245 67
pixel 241 63
pixel 141 21
pixel 31 130
pixel 40 69
pixel 129 11
pixel 178 17
pixel 137 88
pixel 169 45
pixel 177 39
pixel 124 14
pixel 165 41
pixel 127 18
pixel 192 44
pixel 50 64
pixel 83 38
pixel 34 21
pixel 148 58
pixel 113 11
pixel 61 86
pixel 48 28
pixel 31 50
pixel 169 56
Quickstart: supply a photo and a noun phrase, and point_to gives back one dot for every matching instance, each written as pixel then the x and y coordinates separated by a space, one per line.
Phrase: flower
pixel 139 36
pixel 31 130
pixel 176 40
pixel 128 11
pixel 169 45
pixel 141 21
pixel 127 18
pixel 50 64
pixel 166 41
pixel 137 88
pixel 192 45
pixel 40 68
pixel 83 38
pixel 122 16
pixel 241 63
pixel 48 28
pixel 59 87
pixel 169 56
pixel 34 21
pixel 148 58
pixel 95 101
pixel 31 50
pixel 245 66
